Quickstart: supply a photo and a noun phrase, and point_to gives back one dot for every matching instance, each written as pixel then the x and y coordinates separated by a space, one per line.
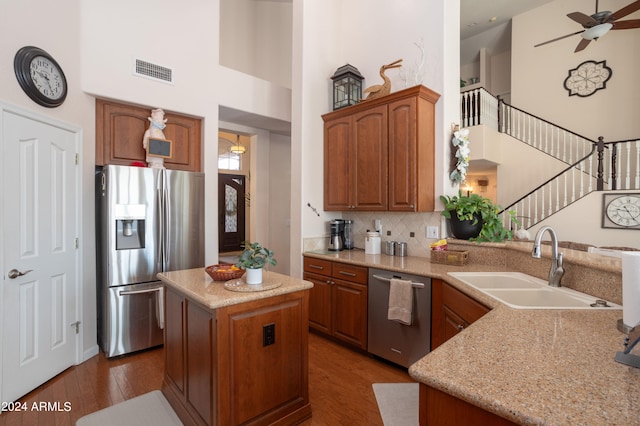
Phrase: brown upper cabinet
pixel 379 154
pixel 120 128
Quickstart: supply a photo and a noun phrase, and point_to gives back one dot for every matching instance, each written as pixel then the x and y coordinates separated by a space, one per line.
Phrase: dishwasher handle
pixel 388 280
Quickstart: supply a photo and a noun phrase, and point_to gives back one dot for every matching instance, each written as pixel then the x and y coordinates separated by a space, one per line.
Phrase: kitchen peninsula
pixel 236 357
pixel 515 366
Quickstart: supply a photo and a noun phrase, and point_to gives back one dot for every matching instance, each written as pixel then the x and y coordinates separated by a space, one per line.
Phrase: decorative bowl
pixel 224 272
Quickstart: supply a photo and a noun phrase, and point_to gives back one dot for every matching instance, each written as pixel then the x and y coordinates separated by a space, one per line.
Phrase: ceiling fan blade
pixel 582 45
pixel 628 9
pixel 558 38
pixel 626 25
pixel 582 19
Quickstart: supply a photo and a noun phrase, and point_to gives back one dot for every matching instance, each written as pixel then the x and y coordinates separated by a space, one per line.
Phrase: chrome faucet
pixel 557 271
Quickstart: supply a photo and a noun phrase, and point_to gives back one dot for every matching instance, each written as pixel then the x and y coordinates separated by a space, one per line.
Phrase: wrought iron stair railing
pixel 591 165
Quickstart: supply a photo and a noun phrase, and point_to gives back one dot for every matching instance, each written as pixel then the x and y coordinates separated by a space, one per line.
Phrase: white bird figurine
pixel 380 90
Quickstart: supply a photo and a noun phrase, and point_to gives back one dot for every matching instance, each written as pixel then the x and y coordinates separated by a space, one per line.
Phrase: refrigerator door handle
pixel 159 301
pixel 165 223
pixel 161 242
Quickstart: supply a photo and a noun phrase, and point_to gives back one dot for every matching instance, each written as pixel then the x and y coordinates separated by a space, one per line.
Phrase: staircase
pixel 590 165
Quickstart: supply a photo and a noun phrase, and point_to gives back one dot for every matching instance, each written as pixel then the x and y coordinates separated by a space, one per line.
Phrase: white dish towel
pixel 400 301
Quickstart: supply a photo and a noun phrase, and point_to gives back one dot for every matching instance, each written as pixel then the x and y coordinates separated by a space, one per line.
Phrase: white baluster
pixel 627 180
pixel 637 180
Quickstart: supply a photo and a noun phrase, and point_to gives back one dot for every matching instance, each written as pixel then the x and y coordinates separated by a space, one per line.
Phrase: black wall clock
pixel 40 76
pixel 587 78
pixel 621 211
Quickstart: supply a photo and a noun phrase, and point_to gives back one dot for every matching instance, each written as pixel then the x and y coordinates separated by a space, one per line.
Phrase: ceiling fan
pixel 598 24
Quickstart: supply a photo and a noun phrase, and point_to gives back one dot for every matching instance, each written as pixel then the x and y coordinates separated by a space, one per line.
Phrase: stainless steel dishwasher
pixel 391 340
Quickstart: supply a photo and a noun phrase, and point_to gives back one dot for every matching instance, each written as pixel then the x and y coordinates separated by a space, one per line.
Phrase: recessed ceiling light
pixel 493 19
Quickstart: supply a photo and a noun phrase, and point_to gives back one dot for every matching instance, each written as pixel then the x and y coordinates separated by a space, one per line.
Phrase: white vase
pixel 253 276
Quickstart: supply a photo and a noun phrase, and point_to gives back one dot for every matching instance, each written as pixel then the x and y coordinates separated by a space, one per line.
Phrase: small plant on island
pixel 475 207
pixel 255 256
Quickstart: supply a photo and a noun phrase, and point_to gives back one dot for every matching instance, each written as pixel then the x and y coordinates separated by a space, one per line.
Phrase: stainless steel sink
pixel 522 291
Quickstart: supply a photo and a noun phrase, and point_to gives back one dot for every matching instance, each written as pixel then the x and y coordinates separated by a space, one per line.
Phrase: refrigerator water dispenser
pixel 130 225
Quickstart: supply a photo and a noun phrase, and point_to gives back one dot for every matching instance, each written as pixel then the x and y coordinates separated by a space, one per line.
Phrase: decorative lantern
pixel 347 86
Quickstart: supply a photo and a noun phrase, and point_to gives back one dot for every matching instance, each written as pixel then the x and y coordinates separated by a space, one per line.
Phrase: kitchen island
pixel 529 367
pixel 236 357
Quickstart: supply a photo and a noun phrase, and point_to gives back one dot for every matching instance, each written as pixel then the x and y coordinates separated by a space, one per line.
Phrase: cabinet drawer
pixel 317 266
pixel 355 274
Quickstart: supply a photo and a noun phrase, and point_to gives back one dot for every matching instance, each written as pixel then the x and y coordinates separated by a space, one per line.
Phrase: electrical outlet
pixel 268 334
pixel 433 232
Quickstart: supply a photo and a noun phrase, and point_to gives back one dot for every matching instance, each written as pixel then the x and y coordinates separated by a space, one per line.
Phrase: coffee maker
pixel 336 238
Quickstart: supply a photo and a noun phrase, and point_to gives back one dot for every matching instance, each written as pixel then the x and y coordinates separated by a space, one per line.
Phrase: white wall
pixel 538 73
pixel 255 38
pixel 280 201
pixel 582 223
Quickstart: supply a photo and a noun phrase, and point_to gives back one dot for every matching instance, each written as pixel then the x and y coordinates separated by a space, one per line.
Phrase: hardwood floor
pixel 339 386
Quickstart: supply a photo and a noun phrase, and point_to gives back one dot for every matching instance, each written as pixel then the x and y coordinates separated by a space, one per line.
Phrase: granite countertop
pixel 533 367
pixel 198 285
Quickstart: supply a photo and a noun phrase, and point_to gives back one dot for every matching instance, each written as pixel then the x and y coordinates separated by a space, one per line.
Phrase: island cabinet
pixel 120 129
pixel 379 154
pixel 338 300
pixel 452 312
pixel 240 364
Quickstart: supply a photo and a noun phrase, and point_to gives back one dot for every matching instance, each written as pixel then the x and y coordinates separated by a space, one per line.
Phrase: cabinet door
pixel 452 312
pixel 320 303
pixel 263 379
pixel 337 160
pixel 369 159
pixel 120 129
pixel 403 176
pixel 350 313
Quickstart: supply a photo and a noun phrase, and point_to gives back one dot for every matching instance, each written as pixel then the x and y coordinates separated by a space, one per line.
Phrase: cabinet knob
pixel 460 327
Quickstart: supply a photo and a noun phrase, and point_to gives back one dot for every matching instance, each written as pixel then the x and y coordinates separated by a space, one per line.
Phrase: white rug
pixel 398 403
pixel 149 409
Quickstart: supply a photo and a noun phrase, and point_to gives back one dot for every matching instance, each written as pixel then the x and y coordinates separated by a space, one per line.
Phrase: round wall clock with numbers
pixel 40 76
pixel 621 211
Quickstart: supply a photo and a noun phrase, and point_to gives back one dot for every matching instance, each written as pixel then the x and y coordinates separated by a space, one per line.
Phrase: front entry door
pixel 231 212
pixel 40 258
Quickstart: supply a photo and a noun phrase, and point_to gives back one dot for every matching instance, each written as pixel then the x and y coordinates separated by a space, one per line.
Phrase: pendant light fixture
pixel 237 148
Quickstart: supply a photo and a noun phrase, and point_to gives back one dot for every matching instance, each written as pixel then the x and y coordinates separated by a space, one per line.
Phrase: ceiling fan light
pixel 596 32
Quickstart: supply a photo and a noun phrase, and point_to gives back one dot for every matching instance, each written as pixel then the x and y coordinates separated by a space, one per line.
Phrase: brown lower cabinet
pixel 441 409
pixel 338 300
pixel 452 312
pixel 219 370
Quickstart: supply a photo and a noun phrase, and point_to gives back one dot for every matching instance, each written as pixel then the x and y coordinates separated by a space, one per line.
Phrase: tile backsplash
pixel 395 227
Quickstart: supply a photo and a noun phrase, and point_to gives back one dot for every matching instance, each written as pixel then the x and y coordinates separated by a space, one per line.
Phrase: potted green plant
pixel 253 259
pixel 475 218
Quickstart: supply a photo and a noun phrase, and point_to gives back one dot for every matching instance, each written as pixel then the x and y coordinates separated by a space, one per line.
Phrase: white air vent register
pixel 152 71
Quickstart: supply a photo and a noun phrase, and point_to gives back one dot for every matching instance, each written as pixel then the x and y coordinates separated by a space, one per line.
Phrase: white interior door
pixel 40 259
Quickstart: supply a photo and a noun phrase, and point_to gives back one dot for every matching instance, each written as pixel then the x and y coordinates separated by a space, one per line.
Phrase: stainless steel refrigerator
pixel 148 221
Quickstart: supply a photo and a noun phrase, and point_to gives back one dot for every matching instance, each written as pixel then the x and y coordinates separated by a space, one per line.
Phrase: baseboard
pixel 90 353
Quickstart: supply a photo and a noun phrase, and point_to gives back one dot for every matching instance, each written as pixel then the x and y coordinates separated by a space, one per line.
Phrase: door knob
pixel 14 273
